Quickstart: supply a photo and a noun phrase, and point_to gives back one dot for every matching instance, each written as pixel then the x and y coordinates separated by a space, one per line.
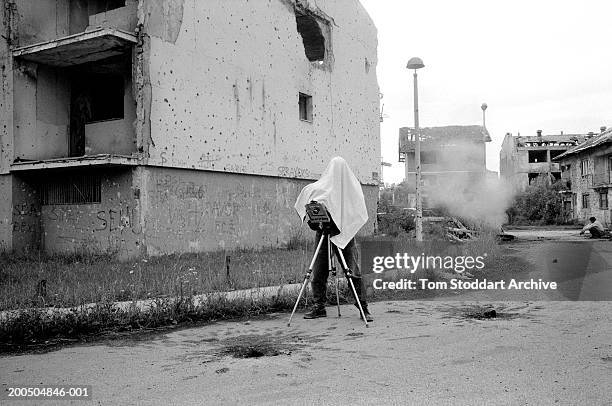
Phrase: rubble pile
pixel 457 232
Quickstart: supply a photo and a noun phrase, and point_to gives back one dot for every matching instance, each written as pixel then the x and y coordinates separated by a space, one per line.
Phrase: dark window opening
pixel 533 177
pixel 556 176
pixel 585 201
pixel 537 156
pixel 603 200
pixel 305 105
pixel 82 189
pixel 101 6
pixel 312 36
pixel 106 93
pixel 555 153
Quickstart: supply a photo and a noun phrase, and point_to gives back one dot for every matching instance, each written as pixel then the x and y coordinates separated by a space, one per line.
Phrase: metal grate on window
pixel 82 189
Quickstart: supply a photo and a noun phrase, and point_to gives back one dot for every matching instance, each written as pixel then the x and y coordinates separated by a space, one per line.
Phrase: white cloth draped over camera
pixel 340 191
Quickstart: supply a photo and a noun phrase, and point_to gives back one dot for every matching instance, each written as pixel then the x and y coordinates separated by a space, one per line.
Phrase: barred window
pixel 80 189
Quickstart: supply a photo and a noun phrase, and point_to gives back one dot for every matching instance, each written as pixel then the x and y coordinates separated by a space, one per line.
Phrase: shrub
pixel 540 203
pixel 395 221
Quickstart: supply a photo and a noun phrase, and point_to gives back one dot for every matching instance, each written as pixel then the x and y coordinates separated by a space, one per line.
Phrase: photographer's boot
pixel 368 316
pixel 316 312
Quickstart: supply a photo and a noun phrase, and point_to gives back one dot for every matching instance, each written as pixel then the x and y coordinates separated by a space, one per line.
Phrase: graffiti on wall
pixel 218 209
pixel 26 218
pixel 114 229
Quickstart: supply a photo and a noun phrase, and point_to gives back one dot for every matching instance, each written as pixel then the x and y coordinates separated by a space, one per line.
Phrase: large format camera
pixel 319 219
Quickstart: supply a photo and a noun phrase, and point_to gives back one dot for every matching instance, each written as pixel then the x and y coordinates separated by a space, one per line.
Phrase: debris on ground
pixel 457 232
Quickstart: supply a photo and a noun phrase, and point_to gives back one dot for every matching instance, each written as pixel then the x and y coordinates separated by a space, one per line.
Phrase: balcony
pixel 41 21
pixel 91 161
pixel 73 101
pixel 78 49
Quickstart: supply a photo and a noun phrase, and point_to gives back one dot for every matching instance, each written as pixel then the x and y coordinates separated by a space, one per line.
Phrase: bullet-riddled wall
pixel 225 79
pixel 226 119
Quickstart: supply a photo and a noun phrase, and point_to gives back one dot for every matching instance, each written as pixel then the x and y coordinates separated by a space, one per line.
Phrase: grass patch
pixel 72 280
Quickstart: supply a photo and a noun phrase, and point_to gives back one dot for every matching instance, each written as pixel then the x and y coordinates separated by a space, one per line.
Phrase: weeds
pixel 73 280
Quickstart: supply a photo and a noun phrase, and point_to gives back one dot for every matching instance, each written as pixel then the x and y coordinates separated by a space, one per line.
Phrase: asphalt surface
pixel 542 348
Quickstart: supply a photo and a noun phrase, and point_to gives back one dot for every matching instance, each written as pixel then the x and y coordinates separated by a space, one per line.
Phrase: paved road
pixel 414 353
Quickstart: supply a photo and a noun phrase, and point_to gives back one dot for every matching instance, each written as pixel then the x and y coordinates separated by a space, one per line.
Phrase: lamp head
pixel 415 63
pixel 484 106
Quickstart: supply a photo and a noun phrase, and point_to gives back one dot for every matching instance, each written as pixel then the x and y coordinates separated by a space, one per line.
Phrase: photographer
pixel 340 192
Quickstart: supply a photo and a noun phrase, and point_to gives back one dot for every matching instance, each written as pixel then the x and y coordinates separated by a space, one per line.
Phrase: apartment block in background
pixel 523 159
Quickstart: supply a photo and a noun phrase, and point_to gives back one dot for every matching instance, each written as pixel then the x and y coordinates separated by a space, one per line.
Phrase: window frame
pixel 584 167
pixel 603 206
pixel 305 107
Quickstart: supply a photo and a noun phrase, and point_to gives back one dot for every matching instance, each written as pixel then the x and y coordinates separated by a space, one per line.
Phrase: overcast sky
pixel 538 64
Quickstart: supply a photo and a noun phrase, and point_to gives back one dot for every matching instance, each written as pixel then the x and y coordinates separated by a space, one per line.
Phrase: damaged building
pixel 145 127
pixel 524 159
pixel 587 172
pixel 451 157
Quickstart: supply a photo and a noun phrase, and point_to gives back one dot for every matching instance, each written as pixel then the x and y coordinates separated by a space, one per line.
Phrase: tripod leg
pixel 349 277
pixel 332 268
pixel 306 277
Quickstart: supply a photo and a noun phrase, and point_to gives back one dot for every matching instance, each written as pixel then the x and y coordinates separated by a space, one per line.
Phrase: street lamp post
pixel 417 63
pixel 484 144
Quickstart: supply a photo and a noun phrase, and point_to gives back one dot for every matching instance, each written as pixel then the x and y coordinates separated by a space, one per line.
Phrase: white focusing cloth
pixel 340 191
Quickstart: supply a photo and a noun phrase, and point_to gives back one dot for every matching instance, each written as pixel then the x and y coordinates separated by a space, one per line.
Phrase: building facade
pixel 587 169
pixel 451 157
pixel 523 159
pixel 145 127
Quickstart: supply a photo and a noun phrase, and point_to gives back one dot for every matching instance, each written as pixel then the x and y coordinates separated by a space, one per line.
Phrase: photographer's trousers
pixel 320 271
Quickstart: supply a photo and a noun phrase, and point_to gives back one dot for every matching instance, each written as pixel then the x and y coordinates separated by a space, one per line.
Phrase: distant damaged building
pixel 523 159
pixel 451 156
pixel 157 126
pixel 587 170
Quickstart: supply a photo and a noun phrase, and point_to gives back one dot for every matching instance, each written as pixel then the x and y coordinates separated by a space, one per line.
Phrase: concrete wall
pixel 6 213
pixel 41 112
pixel 186 210
pixel 41 20
pixel 111 226
pixel 26 215
pixel 124 18
pixel 225 78
pixel 6 96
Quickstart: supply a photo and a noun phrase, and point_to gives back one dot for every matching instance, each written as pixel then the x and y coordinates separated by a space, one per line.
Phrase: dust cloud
pixel 459 183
